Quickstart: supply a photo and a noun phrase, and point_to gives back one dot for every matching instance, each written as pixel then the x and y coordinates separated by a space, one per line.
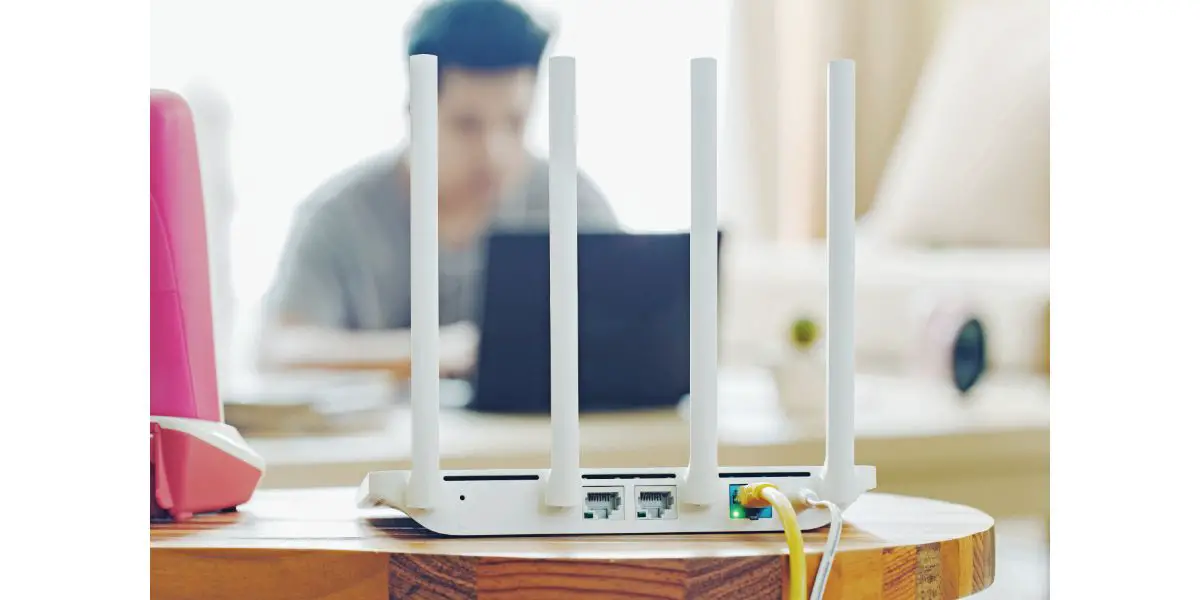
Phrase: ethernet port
pixel 737 511
pixel 655 502
pixel 600 503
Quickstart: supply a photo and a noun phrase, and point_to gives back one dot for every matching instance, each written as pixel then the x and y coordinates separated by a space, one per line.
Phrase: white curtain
pixel 785 46
pixel 312 87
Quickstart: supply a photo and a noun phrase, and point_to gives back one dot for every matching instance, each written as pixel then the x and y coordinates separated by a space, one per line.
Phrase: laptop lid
pixel 634 325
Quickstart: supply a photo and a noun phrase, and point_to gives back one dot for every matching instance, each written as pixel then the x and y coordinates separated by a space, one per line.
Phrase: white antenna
pixel 701 487
pixel 839 474
pixel 565 480
pixel 426 475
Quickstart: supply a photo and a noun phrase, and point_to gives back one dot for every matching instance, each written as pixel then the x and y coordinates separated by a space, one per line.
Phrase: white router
pixel 568 500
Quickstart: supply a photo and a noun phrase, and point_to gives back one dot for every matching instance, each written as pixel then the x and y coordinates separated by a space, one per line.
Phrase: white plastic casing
pixel 500 503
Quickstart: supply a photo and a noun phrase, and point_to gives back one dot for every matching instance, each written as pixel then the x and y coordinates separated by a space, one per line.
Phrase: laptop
pixel 634 322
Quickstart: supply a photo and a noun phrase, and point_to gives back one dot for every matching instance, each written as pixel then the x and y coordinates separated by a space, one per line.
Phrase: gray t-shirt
pixel 346 262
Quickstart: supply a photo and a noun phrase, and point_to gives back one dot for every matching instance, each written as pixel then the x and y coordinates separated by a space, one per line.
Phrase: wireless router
pixel 198 463
pixel 565 499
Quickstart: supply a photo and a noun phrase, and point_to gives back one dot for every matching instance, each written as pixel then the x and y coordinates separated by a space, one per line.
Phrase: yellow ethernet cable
pixel 762 495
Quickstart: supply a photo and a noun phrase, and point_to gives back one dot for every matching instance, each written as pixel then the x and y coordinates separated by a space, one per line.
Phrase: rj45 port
pixel 604 503
pixel 656 502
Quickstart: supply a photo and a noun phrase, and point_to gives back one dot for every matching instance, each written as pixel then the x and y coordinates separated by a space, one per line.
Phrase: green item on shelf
pixel 804 333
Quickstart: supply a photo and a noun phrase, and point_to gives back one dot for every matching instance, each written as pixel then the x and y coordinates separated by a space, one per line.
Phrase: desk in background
pixel 990 450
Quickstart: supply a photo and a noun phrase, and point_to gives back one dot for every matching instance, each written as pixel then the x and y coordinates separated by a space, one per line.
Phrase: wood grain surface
pixel 313 543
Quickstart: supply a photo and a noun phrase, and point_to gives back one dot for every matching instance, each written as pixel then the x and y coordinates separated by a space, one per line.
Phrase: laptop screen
pixel 634 322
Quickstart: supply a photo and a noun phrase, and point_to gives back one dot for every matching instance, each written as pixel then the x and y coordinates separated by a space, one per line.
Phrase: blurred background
pixel 953 198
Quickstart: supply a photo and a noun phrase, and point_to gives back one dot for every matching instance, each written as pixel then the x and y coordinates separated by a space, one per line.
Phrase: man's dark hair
pixel 478 35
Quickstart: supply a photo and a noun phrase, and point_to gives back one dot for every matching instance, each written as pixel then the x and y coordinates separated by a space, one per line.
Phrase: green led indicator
pixel 737 511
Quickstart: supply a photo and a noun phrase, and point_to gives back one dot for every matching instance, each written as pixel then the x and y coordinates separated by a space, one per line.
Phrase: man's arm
pixel 306 303
pixel 307 316
pixel 309 347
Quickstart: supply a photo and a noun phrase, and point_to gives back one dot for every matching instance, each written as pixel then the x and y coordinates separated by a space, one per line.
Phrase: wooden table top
pixel 315 543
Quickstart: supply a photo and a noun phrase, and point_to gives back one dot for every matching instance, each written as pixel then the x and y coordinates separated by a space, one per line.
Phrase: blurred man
pixel 343 283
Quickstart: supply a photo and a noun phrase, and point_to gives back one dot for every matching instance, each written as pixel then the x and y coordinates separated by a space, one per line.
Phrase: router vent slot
pixel 629 476
pixel 491 477
pixel 765 475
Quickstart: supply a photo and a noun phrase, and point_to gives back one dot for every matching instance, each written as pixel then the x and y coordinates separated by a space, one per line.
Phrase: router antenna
pixel 701 486
pixel 426 475
pixel 839 473
pixel 565 479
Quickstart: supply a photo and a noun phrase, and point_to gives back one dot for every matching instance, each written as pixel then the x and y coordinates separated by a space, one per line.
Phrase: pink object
pixel 183 378
pixel 188 475
pixel 198 463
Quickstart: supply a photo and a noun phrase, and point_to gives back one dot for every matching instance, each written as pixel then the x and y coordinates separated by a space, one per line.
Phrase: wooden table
pixel 990 450
pixel 314 543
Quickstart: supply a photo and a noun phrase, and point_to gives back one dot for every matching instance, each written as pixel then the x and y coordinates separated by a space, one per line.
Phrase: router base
pixel 611 501
pixel 199 466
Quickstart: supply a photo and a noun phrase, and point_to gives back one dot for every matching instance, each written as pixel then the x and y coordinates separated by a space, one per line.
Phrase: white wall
pixel 314 86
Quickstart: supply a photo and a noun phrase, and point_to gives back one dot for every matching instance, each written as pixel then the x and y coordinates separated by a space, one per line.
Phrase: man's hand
pixel 459 346
pixel 302 347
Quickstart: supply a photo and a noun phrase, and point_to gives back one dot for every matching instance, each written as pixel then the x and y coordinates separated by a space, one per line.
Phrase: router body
pixel 610 501
pixel 566 499
pixel 198 463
